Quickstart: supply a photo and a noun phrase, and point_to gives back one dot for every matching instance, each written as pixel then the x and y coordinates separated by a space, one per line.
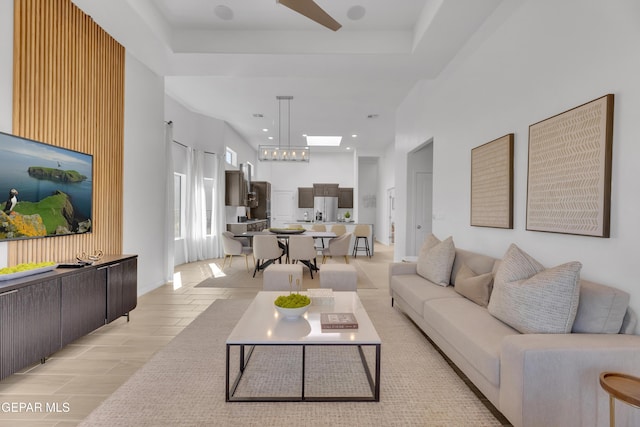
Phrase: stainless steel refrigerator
pixel 325 209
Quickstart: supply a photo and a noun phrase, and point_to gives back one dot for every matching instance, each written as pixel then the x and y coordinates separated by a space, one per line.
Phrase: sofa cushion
pixel 601 309
pixel 532 299
pixel 479 263
pixel 415 290
pixel 436 259
pixel 472 331
pixel 476 287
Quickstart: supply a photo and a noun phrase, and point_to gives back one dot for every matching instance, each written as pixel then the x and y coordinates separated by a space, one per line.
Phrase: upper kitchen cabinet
pixel 345 198
pixel 305 197
pixel 235 189
pixel 325 190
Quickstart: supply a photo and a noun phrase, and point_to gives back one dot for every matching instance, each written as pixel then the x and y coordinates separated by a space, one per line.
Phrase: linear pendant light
pixel 282 153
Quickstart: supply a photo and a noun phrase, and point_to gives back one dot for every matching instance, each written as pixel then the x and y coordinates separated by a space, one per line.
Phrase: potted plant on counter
pixel 347 216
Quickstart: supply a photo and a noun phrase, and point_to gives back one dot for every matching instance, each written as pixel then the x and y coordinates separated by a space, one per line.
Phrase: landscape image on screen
pixel 44 190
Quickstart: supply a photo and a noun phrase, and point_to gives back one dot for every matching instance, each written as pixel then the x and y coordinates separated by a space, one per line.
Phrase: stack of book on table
pixel 333 321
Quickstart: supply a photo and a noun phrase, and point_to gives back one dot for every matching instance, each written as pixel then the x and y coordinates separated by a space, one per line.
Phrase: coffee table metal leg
pixel 374 383
pixel 244 360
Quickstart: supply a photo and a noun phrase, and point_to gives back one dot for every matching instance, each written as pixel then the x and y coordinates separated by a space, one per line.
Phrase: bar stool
pixel 360 232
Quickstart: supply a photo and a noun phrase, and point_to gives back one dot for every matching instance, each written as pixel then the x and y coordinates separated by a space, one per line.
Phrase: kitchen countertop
pixel 249 221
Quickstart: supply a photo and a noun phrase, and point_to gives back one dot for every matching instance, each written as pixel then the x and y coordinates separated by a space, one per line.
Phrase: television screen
pixel 44 190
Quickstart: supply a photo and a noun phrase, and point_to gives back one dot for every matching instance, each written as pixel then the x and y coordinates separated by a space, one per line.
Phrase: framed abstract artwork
pixel 492 183
pixel 569 175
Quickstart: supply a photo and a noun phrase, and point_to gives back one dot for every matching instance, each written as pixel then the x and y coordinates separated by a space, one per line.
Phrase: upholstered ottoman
pixel 276 277
pixel 339 277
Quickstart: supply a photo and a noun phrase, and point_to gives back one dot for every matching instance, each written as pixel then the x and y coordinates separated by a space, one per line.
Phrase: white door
pixel 281 208
pixel 423 207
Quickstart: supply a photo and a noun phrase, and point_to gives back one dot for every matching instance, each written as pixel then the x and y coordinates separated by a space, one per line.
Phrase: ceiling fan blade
pixel 311 10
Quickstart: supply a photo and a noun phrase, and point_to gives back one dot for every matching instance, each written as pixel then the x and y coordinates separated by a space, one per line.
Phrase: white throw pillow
pixel 532 299
pixel 436 260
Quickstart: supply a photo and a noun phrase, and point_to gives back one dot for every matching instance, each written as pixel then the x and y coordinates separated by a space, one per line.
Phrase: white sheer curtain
pixel 169 222
pixel 219 214
pixel 196 209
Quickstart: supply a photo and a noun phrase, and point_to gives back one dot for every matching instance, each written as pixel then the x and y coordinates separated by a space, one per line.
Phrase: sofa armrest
pixel 553 379
pixel 399 268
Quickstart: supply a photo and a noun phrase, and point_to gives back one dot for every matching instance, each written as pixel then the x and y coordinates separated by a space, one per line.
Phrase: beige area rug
pixel 236 276
pixel 184 383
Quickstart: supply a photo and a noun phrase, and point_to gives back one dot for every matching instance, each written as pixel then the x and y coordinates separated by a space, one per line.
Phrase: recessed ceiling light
pixel 270 137
pixel 348 148
pixel 356 13
pixel 223 12
pixel 324 141
pixel 265 130
pixel 354 136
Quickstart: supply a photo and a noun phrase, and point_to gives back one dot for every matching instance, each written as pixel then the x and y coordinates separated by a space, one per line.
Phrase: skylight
pixel 324 141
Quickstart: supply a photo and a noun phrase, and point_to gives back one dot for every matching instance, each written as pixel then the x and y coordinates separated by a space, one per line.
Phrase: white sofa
pixel 532 379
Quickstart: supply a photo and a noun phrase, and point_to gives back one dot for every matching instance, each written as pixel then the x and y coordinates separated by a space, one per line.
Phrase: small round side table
pixel 623 387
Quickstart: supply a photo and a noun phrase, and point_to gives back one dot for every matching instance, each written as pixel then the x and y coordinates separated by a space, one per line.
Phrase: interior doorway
pixel 391 215
pixel 420 192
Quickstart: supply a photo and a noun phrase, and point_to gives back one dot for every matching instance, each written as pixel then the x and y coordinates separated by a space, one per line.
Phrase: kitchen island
pixel 248 225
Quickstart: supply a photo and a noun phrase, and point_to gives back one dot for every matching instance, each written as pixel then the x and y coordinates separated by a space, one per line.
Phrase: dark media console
pixel 40 314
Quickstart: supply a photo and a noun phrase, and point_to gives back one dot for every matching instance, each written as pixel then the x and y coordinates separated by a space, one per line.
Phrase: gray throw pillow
pixel 436 260
pixel 601 309
pixel 532 299
pixel 475 287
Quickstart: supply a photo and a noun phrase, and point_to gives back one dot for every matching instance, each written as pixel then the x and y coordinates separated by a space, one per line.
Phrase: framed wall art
pixel 492 183
pixel 569 175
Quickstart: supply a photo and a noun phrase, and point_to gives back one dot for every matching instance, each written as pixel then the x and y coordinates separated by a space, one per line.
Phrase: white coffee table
pixel 257 325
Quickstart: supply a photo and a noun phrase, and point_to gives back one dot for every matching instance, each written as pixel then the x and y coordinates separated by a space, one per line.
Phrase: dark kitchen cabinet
pixel 235 189
pixel 345 198
pixel 305 197
pixel 325 190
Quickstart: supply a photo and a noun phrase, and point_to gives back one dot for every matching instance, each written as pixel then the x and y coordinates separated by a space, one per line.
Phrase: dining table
pixel 283 237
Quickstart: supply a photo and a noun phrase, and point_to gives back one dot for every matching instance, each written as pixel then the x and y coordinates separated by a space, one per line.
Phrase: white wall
pixel 386 181
pixel 331 168
pixel 6 86
pixel 545 58
pixel 144 175
pixel 367 195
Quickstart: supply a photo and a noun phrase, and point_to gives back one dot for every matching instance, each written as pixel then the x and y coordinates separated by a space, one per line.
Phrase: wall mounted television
pixel 45 190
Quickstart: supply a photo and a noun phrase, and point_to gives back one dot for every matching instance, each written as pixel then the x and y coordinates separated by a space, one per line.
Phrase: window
pixel 179 183
pixel 209 189
pixel 231 157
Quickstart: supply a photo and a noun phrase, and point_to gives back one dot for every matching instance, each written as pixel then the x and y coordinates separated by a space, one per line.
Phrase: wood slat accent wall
pixel 68 91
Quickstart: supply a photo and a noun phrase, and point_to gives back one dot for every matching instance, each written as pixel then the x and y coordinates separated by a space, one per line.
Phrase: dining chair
pixel 361 232
pixel 302 248
pixel 233 246
pixel 338 229
pixel 267 250
pixel 338 246
pixel 319 227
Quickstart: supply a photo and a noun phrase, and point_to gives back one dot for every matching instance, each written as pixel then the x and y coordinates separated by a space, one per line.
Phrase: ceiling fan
pixel 311 10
